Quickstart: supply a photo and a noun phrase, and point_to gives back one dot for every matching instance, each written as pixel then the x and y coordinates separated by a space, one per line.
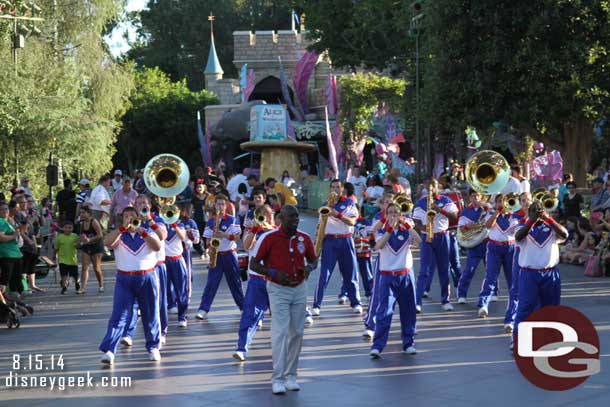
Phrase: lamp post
pixel 9 12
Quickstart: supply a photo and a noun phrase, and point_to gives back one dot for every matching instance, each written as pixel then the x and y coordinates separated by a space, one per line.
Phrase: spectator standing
pixel 359 183
pixel 406 185
pixel 83 195
pixel 66 202
pixel 117 181
pixel 524 183
pixel 100 202
pixel 199 213
pixel 92 247
pixel 572 201
pixel 10 255
pixel 24 186
pixel 121 199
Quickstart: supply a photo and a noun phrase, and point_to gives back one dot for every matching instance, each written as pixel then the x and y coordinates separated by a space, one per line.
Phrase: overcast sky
pixel 117 42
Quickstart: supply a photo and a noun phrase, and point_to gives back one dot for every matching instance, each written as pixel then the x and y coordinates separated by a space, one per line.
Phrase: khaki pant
pixel 287 326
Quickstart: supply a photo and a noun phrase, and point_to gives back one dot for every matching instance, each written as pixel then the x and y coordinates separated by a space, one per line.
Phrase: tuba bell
pixel 166 176
pixel 487 172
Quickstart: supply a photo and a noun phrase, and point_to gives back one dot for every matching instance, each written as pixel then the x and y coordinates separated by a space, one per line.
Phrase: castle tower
pixel 213 71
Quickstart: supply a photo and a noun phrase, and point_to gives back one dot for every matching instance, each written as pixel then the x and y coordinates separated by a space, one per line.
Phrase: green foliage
pixel 162 118
pixel 175 35
pixel 362 93
pixel 369 33
pixel 66 96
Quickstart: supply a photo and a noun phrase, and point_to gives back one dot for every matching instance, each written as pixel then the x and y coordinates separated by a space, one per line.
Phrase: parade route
pixel 461 361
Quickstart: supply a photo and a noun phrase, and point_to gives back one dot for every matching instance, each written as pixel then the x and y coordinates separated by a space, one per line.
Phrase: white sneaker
pixel 342 300
pixel 292 385
pixel 154 355
pixel 375 354
pixel 508 328
pixel 483 312
pixel 315 312
pixel 108 358
pixel 100 290
pixel 494 298
pixel 163 340
pixel 126 341
pixel 425 294
pixel 357 309
pixel 410 350
pixel 461 300
pixel 278 388
pixel 172 310
pixel 260 323
pixel 368 334
pixel 447 307
pixel 201 314
pixel 418 309
pixel 308 320
pixel 239 355
pixel 182 324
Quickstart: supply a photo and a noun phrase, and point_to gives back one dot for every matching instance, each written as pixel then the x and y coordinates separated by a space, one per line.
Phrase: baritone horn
pixel 167 175
pixel 549 202
pixel 487 172
pixel 510 202
pixel 538 194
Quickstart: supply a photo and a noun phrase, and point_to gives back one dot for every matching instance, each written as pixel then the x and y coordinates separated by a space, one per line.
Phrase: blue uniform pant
pixel 188 260
pixel 343 251
pixel 497 256
pixel 225 264
pixel 129 289
pixel 454 259
pixel 473 257
pixel 132 317
pixel 256 303
pixel 369 319
pixel 364 268
pixel 394 289
pixel 536 289
pixel 513 295
pixel 434 255
pixel 180 278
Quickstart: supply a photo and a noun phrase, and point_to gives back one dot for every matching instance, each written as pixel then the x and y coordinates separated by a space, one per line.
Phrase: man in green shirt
pixel 10 255
pixel 65 250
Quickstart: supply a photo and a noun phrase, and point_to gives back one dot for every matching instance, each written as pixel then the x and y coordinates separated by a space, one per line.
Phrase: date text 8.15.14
pixel 38 362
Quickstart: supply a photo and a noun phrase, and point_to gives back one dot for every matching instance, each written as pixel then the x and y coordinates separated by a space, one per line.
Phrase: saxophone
pixel 324 212
pixel 214 242
pixel 430 216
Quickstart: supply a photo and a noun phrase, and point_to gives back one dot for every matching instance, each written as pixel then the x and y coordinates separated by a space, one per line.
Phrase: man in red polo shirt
pixel 280 255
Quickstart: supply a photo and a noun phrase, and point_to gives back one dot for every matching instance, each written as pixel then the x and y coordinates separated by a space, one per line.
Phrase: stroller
pixel 9 312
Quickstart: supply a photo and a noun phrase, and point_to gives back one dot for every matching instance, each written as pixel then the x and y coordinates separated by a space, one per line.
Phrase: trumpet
pixel 144 212
pixel 260 220
pixel 549 202
pixel 538 194
pixel 404 203
pixel 169 213
pixel 135 223
pixel 510 202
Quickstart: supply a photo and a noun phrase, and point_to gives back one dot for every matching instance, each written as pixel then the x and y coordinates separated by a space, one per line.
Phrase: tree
pixel 540 66
pixel 175 35
pixel 162 117
pixel 65 95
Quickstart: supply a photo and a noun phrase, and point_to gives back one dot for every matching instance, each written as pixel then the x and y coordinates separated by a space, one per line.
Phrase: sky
pixel 116 40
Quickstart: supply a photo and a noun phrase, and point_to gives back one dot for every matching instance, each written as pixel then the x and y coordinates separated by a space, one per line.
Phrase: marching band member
pixel 154 222
pixel 228 232
pixel 454 248
pixel 396 281
pixel 471 215
pixel 379 222
pixel 500 252
pixel 135 253
pixel 177 272
pixel 259 197
pixel 339 246
pixel 256 301
pixel 525 199
pixel 539 280
pixel 193 238
pixel 434 254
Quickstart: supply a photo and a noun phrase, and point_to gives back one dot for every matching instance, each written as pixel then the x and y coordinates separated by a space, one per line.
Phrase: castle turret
pixel 213 71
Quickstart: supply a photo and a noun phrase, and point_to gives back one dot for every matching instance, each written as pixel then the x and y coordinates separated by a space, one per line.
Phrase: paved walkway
pixel 462 360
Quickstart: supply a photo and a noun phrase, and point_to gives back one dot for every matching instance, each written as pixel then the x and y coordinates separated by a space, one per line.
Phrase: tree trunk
pixel 578 137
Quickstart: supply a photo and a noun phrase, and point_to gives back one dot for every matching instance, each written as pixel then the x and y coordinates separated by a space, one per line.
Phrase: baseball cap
pixel 84 181
pixel 118 172
pixel 598 179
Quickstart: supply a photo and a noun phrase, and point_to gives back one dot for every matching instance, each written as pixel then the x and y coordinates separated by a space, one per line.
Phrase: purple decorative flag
pixel 331 95
pixel 208 146
pixel 286 95
pixel 302 72
pixel 250 80
pixel 202 141
pixel 332 153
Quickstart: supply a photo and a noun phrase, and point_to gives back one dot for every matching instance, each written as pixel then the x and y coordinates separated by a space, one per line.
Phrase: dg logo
pixel 557 348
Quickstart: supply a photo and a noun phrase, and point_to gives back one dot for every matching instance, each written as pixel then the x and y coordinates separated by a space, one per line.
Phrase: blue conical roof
pixel 213 65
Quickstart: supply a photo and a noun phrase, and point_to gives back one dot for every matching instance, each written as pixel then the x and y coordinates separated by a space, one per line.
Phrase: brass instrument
pixel 538 194
pixel 135 223
pixel 474 236
pixel 549 202
pixel 324 212
pixel 487 172
pixel 214 242
pixel 166 176
pixel 510 202
pixel 404 203
pixel 144 212
pixel 430 217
